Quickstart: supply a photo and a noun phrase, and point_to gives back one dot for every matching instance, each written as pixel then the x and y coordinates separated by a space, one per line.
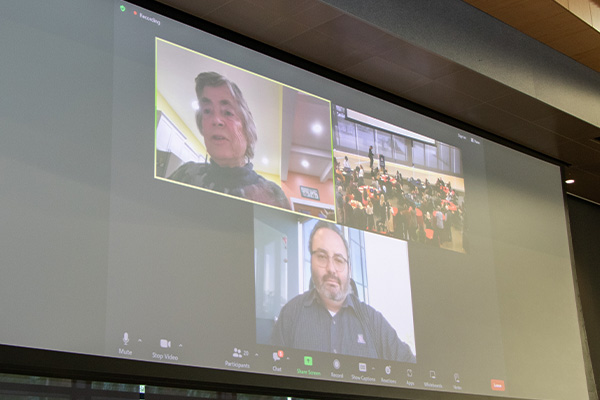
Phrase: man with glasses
pixel 329 317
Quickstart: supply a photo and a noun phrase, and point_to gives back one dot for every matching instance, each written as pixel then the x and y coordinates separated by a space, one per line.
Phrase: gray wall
pixel 468 36
pixel 585 230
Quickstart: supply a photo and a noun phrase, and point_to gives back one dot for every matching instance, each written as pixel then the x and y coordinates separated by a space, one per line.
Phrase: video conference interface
pixel 250 216
pixel 324 215
pixel 317 222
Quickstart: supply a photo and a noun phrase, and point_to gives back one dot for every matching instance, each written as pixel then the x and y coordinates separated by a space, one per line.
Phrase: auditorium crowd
pixel 404 208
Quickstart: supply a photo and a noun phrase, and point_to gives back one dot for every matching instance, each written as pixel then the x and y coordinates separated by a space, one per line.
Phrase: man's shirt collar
pixel 313 296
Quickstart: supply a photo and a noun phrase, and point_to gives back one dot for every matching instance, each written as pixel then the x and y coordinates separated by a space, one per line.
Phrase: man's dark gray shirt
pixel 356 329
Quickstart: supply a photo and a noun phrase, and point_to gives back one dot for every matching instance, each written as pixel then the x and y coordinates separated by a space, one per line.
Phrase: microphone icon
pixel 125 338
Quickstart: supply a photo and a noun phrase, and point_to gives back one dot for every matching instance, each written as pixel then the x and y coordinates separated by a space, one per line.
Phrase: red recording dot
pixel 135 13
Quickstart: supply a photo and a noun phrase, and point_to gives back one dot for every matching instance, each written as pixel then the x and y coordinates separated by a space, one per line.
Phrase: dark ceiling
pixel 343 43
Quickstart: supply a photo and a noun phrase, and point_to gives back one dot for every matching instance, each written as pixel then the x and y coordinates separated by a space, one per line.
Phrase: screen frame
pixel 57 364
pixel 24 360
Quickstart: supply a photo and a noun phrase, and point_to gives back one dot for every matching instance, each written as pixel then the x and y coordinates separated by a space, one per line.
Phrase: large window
pixel 431 160
pixel 357 137
pixel 365 137
pixel 401 149
pixel 346 134
pixel 444 157
pixel 384 144
pixel 456 161
pixel 418 154
pixel 356 241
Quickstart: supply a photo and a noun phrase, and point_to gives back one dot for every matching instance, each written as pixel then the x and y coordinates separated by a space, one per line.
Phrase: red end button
pixel 498 385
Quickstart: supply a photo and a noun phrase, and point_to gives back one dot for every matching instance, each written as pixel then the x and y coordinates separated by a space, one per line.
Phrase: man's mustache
pixel 328 277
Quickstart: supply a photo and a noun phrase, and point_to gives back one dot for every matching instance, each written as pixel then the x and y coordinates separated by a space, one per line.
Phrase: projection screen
pixel 177 206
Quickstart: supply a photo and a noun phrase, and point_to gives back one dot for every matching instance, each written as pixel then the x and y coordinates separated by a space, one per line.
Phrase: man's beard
pixel 331 293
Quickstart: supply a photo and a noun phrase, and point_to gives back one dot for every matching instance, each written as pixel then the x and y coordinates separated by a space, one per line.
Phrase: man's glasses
pixel 321 259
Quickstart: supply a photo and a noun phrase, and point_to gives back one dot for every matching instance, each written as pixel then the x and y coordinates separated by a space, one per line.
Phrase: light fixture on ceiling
pixel 305 163
pixel 316 128
pixel 570 181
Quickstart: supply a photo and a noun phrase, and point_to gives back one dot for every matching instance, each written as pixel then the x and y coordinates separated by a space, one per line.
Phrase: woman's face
pixel 222 127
